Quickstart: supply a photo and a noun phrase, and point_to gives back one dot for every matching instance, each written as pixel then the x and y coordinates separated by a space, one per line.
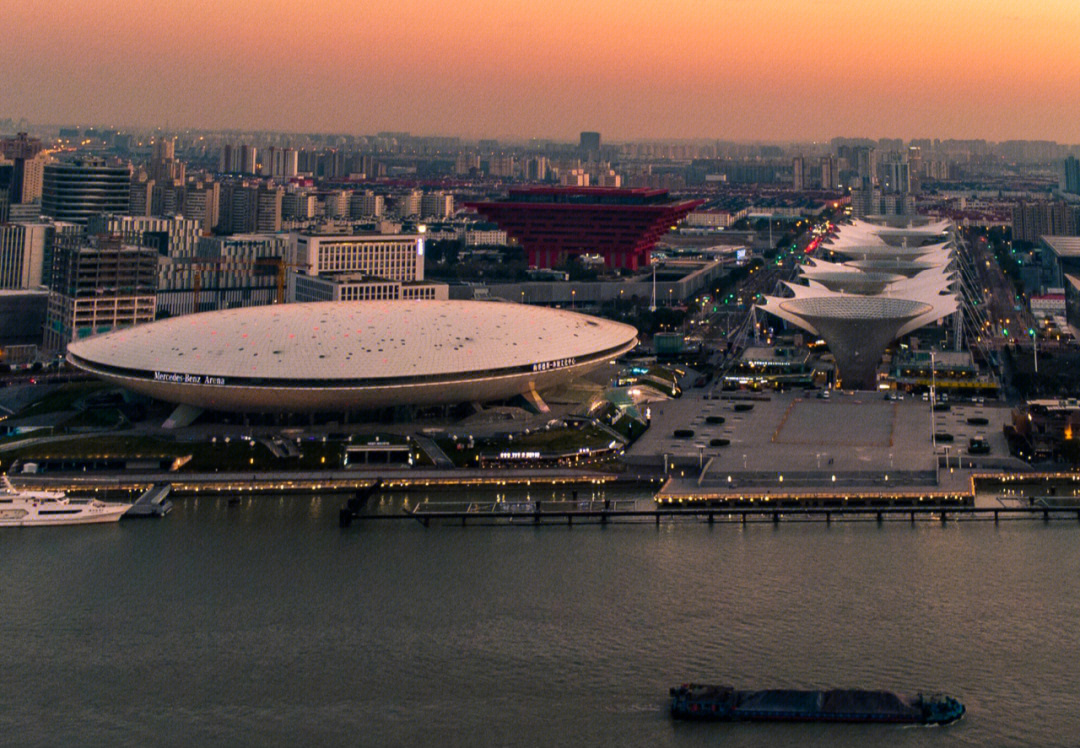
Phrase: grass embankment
pixel 563 440
pixel 62 398
pixel 205 456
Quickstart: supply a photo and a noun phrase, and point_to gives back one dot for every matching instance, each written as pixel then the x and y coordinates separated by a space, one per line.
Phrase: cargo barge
pixel 723 703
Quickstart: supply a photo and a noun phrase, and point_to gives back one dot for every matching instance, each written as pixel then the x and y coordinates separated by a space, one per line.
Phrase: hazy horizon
pixel 765 71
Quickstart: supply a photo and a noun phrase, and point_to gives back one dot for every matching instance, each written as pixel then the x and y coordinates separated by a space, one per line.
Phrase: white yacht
pixel 44 508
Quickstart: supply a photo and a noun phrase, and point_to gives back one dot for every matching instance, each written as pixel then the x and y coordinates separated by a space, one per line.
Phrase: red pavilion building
pixel 553 224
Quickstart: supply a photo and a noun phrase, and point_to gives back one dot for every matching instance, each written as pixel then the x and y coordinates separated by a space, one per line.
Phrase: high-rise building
pixel 408 204
pixel 298 205
pixel 22 254
pixel 608 178
pixel 202 201
pixel 28 167
pixel 174 236
pixel 574 178
pixel 830 174
pixel 589 143
pixel 865 200
pixel 226 272
pixel 866 164
pixel 798 173
pixel 238 159
pixel 502 165
pixel 915 169
pixel 336 204
pixel 164 166
pixel 283 162
pixel 167 198
pixel 239 208
pixel 465 163
pixel 268 209
pixel 897 177
pixel 1071 183
pixel 536 168
pixel 75 190
pixel 366 205
pixel 1030 220
pixel 100 284
pixel 436 205
pixel 142 195
pixel 61 237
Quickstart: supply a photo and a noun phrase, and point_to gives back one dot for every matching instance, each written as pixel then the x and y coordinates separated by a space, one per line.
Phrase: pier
pixel 568 513
pixel 153 503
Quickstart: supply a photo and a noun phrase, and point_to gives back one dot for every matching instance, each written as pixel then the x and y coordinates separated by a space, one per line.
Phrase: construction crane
pixel 217 263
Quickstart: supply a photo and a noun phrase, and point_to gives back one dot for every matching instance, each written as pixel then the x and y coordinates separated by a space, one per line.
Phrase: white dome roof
pixel 355 340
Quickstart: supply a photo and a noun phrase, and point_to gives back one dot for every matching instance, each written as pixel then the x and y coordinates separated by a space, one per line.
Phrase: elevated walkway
pixel 153 503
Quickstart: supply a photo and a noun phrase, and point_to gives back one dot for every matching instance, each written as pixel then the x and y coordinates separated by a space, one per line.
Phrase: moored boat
pixel 48 508
pixel 724 703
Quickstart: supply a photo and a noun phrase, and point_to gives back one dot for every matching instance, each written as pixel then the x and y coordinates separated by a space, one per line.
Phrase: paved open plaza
pixel 792 443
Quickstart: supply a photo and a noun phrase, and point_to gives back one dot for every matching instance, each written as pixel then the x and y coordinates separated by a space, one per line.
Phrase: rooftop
pixel 1063 246
pixel 355 340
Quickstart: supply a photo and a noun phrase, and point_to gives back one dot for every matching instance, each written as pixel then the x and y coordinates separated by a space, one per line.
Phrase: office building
pixel 202 202
pixel 142 195
pixel 172 236
pixel 99 285
pixel 225 272
pixel 75 190
pixel 22 254
pixel 360 267
pixel 28 167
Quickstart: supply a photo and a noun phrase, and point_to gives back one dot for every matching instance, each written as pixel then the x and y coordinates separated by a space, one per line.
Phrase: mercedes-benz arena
pixel 353 355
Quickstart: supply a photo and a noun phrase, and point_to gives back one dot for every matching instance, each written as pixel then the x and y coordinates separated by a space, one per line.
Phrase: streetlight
pixel 1034 347
pixel 933 402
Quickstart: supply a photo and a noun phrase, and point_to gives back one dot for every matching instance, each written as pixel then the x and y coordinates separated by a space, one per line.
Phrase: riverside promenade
pixel 328 481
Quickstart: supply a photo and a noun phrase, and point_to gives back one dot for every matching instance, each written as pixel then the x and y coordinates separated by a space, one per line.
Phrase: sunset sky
pixel 633 69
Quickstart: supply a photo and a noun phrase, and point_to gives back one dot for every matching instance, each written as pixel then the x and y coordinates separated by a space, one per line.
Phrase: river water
pixel 263 623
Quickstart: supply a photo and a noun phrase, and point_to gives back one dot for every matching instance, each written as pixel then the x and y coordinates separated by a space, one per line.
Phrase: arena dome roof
pixel 392 352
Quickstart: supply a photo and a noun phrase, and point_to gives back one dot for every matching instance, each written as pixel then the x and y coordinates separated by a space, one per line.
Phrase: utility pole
pixel 652 307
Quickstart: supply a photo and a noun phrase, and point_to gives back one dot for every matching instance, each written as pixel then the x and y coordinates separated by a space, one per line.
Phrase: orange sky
pixel 728 69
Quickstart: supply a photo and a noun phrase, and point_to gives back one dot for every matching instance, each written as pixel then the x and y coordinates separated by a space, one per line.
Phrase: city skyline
pixel 769 71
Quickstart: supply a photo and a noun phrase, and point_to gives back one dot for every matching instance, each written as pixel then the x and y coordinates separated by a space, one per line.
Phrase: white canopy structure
pixel 901 280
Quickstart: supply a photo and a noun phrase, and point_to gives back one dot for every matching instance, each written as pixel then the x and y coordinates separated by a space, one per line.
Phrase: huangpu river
pixel 263 623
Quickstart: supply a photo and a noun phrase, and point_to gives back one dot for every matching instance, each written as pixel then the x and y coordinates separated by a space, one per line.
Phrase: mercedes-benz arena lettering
pixel 353 355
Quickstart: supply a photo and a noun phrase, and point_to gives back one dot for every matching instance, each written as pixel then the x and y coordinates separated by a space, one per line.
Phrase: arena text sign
pixel 165 376
pixel 557 364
